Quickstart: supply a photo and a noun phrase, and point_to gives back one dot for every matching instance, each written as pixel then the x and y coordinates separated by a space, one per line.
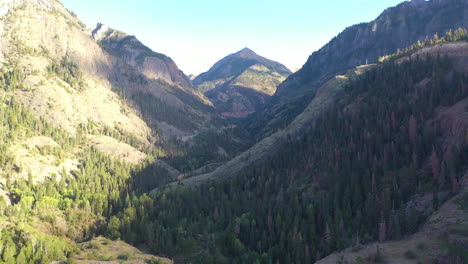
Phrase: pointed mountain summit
pixel 246 53
pixel 241 83
pixel 233 65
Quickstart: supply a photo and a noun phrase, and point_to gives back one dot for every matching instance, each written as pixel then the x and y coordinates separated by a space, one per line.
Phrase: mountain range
pixel 111 153
pixel 395 29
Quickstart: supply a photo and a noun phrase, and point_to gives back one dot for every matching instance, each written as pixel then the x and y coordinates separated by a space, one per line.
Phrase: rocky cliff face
pixel 139 70
pixel 39 34
pixel 241 83
pixel 152 64
pixel 134 91
pixel 396 28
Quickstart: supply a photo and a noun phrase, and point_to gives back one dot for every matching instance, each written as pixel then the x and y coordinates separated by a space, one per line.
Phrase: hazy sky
pixel 196 34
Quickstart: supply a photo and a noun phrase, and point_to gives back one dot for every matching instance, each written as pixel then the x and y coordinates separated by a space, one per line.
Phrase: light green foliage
pixel 155 261
pixel 260 78
pixel 20 243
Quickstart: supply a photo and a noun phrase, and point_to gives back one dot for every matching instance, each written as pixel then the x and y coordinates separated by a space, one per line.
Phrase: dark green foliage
pixel 155 261
pixel 355 169
pixel 205 149
pixel 458 253
pixel 11 80
pixel 68 71
pixel 411 254
pixel 352 173
pixel 463 201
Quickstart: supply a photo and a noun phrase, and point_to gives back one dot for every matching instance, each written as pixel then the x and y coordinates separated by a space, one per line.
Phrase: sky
pixel 196 34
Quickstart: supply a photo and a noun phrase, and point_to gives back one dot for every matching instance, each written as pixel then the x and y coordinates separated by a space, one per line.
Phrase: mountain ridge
pixel 94 124
pixel 395 28
pixel 152 64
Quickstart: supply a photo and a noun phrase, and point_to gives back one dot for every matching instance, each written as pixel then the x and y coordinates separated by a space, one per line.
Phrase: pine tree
pixel 435 164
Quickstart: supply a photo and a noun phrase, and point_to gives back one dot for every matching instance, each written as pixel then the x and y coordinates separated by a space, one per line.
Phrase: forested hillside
pixel 100 138
pixel 395 29
pixel 353 178
pixel 41 219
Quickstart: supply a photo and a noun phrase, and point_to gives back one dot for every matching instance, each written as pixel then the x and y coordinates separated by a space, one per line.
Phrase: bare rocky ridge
pixel 32 158
pixel 103 73
pixel 152 64
pixel 51 97
pixel 139 70
pixel 120 150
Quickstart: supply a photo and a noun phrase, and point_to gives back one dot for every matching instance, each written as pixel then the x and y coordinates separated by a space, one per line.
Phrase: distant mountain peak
pixel 246 53
pixel 241 83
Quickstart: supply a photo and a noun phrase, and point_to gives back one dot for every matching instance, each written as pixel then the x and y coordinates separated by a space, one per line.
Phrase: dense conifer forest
pixel 346 181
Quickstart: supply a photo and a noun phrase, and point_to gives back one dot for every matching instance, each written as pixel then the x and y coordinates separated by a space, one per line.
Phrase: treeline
pixel 346 182
pixel 460 34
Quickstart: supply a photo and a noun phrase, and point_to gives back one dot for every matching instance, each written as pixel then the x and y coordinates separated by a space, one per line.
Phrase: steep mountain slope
pixel 152 82
pixel 387 153
pixel 72 81
pixel 70 137
pixel 63 71
pixel 152 64
pixel 58 36
pixel 376 151
pixel 394 29
pixel 326 96
pixel 241 83
pixel 442 239
pixel 268 146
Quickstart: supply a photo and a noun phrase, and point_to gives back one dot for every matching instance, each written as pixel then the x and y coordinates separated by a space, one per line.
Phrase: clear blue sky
pixel 196 34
